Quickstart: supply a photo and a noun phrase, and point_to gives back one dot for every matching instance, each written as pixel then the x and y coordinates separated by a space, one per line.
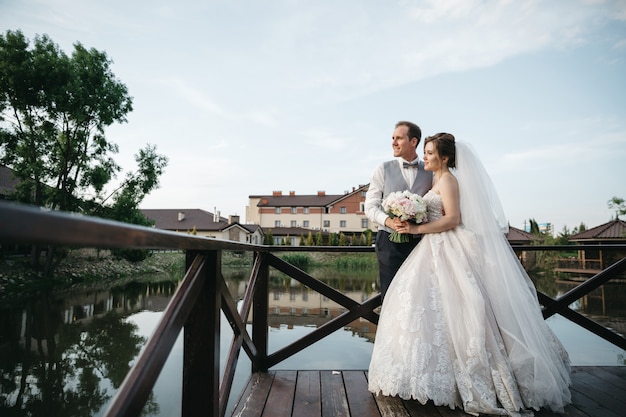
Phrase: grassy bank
pixel 81 270
pixel 78 270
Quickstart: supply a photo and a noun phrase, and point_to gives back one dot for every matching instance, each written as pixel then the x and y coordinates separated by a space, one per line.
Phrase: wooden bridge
pixel 203 295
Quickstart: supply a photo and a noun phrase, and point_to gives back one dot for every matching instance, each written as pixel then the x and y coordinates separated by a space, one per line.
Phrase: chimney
pixel 215 215
pixel 321 193
pixel 233 219
pixel 181 216
pixel 292 193
pixel 277 193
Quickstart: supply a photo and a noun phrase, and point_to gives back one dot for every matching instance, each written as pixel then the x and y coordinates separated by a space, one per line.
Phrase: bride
pixel 461 324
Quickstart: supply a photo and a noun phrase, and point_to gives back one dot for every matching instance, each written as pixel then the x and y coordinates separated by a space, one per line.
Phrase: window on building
pixel 364 224
pixel 342 210
pixel 305 223
pixel 294 210
pixel 277 210
pixel 305 210
pixel 276 223
pixel 293 223
pixel 342 223
pixel 326 223
pixel 362 207
pixel 363 193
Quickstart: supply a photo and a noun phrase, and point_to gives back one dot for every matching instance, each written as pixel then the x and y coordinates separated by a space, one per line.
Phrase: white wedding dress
pixel 448 332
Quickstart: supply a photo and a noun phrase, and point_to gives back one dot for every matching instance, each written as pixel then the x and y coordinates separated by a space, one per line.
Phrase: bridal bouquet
pixel 408 207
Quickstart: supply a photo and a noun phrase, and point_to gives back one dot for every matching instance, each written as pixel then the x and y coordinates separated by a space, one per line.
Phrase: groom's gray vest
pixel 394 181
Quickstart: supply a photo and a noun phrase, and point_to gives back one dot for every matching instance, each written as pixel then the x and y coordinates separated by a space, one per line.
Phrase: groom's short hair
pixel 413 132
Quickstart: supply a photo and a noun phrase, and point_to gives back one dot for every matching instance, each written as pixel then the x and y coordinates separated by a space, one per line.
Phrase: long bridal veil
pixel 539 361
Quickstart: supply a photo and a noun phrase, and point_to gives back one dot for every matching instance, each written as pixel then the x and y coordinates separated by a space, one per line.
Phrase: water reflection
pixel 67 354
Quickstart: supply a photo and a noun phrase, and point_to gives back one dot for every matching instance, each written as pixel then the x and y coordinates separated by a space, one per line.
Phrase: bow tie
pixel 410 164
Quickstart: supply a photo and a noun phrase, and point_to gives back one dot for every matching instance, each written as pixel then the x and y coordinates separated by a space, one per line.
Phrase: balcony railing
pixel 203 295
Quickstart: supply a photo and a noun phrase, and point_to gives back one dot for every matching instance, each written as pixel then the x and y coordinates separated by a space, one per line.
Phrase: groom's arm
pixel 374 198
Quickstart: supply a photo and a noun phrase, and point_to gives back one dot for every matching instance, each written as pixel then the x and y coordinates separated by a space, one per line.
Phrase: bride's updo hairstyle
pixel 445 146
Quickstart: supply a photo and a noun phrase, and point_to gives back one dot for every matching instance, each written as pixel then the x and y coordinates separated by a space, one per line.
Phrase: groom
pixel 406 172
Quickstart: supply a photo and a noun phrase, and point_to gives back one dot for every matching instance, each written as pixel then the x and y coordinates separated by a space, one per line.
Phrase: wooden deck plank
pixel 360 401
pixel 307 401
pixel 281 395
pixel 391 406
pixel 254 396
pixel 334 402
pixel 596 392
pixel 607 393
pixel 588 405
pixel 612 378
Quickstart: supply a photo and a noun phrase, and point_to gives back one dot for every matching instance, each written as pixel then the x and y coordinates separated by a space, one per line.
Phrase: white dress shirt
pixel 374 196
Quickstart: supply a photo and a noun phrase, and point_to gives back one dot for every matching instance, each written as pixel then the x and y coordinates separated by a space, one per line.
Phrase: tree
pixel 578 229
pixel 54 110
pixel 319 239
pixel 534 227
pixel 618 205
pixel 309 239
pixel 57 108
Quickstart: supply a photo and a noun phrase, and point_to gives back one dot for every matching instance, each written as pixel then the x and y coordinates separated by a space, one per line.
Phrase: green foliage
pixel 581 228
pixel 319 239
pixel 55 139
pixel 357 261
pixel 618 205
pixel 563 238
pixel 300 260
pixel 268 238
pixel 309 239
pixel 131 255
pixel 369 239
pixel 343 240
pixel 534 227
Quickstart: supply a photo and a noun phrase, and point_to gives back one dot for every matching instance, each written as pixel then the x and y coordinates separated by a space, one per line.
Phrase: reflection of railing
pixel 195 307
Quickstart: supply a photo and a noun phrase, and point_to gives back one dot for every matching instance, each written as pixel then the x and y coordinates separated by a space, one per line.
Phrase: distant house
pixel 204 223
pixel 592 261
pixel 517 236
pixel 334 213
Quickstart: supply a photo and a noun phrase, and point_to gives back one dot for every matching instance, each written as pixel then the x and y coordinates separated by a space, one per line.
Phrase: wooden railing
pixel 202 295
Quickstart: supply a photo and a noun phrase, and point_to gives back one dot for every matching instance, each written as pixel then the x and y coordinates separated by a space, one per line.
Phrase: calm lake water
pixel 65 355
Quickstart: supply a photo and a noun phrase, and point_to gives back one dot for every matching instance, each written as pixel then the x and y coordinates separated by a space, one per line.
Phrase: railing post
pixel 201 351
pixel 259 314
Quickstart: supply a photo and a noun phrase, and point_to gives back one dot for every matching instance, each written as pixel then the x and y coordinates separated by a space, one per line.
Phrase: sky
pixel 249 97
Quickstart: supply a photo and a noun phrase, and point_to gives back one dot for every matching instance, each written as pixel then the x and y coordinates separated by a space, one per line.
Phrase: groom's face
pixel 402 145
